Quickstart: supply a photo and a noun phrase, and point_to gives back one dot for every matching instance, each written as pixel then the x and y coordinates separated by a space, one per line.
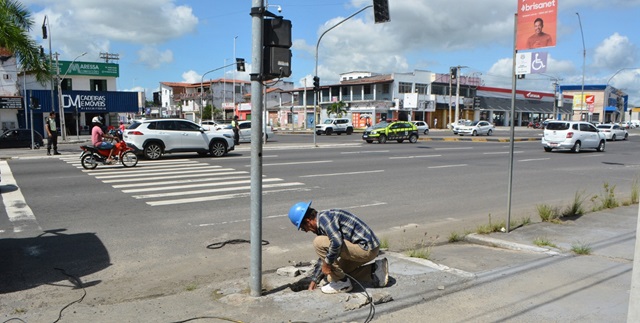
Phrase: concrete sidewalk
pixel 486 278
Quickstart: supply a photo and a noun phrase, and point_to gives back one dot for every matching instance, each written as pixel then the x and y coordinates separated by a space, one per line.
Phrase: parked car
pixel 422 126
pixel 573 135
pixel 245 131
pixel 394 130
pixel 335 125
pixel 476 128
pixel 628 125
pixel 155 137
pixel 20 138
pixel 613 132
pixel 454 126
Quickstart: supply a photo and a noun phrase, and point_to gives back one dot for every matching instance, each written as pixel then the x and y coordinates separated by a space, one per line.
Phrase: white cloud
pixel 154 58
pixel 191 76
pixel 417 26
pixel 615 52
pixel 94 24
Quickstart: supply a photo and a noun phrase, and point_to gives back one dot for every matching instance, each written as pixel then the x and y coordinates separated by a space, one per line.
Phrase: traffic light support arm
pixel 315 93
pixel 202 87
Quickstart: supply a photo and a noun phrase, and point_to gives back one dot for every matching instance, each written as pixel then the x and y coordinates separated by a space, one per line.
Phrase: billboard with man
pixel 537 22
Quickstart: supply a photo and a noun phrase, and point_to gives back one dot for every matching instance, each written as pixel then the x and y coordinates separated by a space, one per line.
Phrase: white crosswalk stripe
pixel 171 182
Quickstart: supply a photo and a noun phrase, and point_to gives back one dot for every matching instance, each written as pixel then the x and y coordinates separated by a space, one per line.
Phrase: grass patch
pixel 384 243
pixel 423 249
pixel 543 242
pixel 455 237
pixel 576 208
pixel 191 287
pixel 606 199
pixel 580 248
pixel 491 227
pixel 634 192
pixel 548 213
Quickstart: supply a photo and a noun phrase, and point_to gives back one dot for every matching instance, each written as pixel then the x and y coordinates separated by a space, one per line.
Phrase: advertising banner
pixel 537 23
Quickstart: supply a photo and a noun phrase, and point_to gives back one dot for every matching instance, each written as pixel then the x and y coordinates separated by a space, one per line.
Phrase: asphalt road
pixel 152 223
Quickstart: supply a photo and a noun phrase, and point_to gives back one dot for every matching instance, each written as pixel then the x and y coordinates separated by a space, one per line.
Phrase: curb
pixel 498 243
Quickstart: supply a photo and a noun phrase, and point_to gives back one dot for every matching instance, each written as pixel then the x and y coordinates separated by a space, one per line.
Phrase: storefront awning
pixel 526 106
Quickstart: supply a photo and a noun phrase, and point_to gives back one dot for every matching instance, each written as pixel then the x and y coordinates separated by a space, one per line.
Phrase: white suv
pixel 337 125
pixel 154 137
pixel 573 135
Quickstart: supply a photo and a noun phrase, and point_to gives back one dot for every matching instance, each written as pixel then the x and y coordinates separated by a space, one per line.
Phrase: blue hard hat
pixel 297 213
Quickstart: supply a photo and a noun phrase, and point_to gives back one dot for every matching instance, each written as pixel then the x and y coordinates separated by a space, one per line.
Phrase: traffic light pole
pixel 316 92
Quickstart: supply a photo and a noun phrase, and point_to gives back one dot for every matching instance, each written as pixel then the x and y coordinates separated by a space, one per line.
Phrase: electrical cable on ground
pixel 78 284
pixel 219 245
pixel 372 307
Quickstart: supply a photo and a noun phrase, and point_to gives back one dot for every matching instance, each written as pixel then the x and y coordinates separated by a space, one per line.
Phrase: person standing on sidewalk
pixel 236 130
pixel 344 244
pixel 52 133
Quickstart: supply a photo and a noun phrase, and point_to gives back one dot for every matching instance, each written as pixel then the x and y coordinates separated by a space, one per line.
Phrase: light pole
pixel 46 29
pixel 457 114
pixel 315 96
pixel 616 73
pixel 584 56
pixel 60 101
pixel 556 81
pixel 234 79
pixel 202 88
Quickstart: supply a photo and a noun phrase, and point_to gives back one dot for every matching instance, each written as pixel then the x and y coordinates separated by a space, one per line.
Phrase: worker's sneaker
pixel 381 273
pixel 337 287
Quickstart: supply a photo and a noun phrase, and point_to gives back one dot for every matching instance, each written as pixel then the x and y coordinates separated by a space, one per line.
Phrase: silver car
pixel 573 135
pixel 476 128
pixel 423 127
pixel 613 132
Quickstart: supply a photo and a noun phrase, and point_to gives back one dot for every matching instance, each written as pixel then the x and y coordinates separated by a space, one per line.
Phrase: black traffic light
pixel 316 83
pixel 381 11
pixel 453 73
pixel 240 64
pixel 276 54
pixel 35 103
pixel 521 76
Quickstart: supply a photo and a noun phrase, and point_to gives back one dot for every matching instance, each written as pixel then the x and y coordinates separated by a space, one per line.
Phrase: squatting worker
pixel 344 244
pixel 539 38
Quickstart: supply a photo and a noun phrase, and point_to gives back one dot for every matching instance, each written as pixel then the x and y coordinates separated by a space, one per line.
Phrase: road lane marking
pixel 216 190
pixel 411 157
pixel 501 152
pixel 364 152
pixel 347 173
pixel 219 197
pixel 180 187
pixel 297 163
pixel 141 179
pixel 533 159
pixel 278 216
pixel 19 212
pixel 183 181
pixel 447 166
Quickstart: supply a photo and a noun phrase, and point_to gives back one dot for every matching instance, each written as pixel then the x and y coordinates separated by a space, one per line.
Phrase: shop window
pixel 98 85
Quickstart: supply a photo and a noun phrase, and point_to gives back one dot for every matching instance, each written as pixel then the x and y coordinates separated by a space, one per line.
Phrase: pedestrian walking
pixel 52 133
pixel 344 244
pixel 435 123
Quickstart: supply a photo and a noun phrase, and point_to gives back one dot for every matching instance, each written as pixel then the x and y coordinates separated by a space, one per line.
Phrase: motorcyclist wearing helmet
pixel 98 135
pixel 344 244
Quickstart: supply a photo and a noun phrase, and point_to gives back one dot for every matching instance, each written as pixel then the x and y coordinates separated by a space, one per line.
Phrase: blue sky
pixel 180 40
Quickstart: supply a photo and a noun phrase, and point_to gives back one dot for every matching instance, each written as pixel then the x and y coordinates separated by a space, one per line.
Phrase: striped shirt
pixel 340 225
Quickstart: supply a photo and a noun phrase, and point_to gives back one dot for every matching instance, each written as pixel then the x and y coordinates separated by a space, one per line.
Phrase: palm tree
pixel 15 23
pixel 337 108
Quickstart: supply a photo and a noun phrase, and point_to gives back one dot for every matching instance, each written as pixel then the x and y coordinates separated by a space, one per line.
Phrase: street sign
pixel 531 63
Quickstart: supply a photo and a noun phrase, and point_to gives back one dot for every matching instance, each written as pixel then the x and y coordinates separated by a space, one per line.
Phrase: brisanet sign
pixel 89 69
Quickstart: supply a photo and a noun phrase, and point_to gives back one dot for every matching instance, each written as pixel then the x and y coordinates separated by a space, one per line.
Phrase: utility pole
pixel 458 91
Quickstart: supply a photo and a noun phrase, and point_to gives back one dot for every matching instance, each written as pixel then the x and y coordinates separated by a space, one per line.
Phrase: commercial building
pixel 88 89
pixel 601 103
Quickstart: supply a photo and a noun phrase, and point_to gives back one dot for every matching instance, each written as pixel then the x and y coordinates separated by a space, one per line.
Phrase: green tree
pixel 337 108
pixel 211 110
pixel 15 24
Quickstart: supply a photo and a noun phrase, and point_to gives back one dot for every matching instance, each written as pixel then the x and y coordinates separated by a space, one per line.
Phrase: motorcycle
pixel 92 156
